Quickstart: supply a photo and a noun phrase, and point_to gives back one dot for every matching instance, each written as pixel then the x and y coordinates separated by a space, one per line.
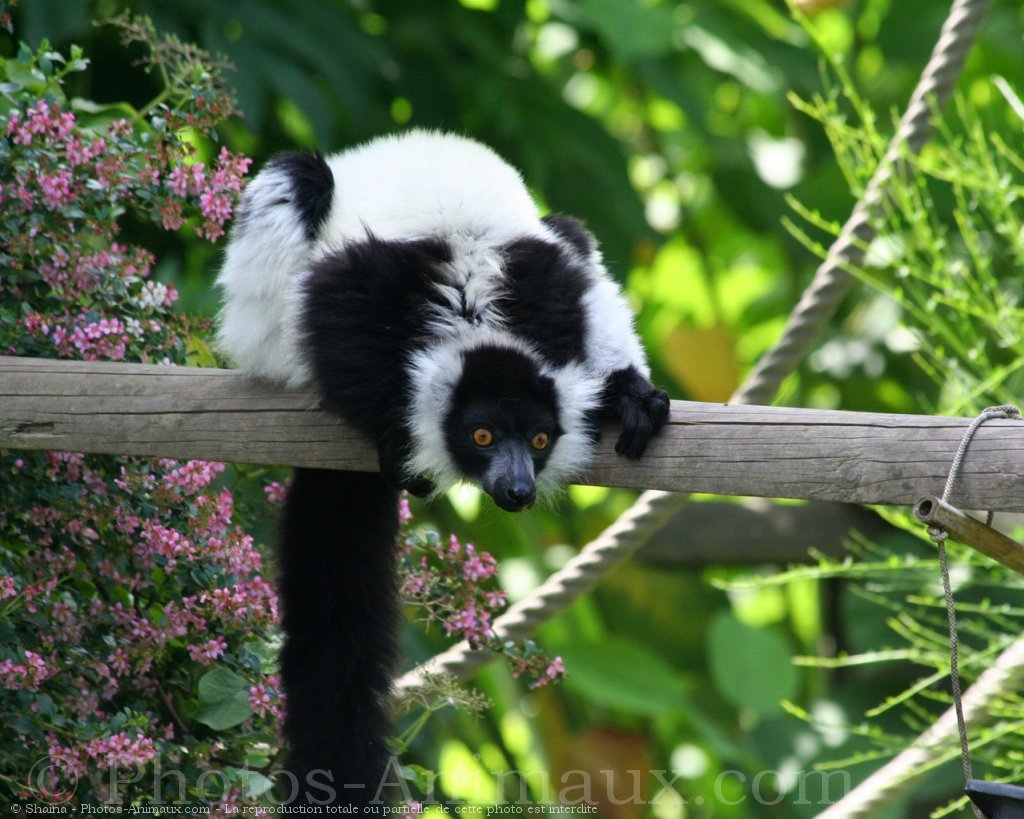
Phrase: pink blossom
pixel 193 476
pixel 119 750
pixel 250 602
pixel 121 128
pixel 44 120
pixel 415 584
pixel 231 169
pixel 125 522
pixel 473 624
pixel 454 548
pixel 208 652
pixel 158 540
pixel 79 153
pixel 404 513
pixel 25 676
pixel 478 567
pixel 236 552
pixel 171 217
pixel 275 492
pixel 177 180
pixel 215 206
pixel 259 699
pixel 103 339
pixel 196 177
pixel 57 188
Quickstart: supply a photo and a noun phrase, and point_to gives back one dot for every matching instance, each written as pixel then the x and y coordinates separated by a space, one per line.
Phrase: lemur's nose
pixel 521 494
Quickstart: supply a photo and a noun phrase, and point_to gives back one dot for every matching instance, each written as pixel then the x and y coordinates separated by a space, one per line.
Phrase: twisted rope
pixel 653 509
pixel 832 280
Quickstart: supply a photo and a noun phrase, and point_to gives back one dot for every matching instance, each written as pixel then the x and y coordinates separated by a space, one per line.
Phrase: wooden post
pixel 219 415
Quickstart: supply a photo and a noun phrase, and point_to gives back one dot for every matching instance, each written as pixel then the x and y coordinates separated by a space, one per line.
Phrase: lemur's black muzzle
pixel 510 479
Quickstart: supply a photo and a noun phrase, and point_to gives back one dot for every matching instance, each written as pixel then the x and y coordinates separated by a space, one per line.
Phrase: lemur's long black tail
pixel 340 615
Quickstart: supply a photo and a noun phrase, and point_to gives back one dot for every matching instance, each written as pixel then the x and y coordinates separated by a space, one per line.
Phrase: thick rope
pixel 653 509
pixel 832 280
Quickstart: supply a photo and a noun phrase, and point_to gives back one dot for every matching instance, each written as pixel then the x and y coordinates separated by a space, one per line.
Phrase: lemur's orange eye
pixel 483 436
pixel 540 440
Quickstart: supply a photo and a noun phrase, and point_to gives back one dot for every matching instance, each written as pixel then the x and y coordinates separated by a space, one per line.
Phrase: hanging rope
pixel 878 789
pixel 901 772
pixel 653 509
pixel 939 536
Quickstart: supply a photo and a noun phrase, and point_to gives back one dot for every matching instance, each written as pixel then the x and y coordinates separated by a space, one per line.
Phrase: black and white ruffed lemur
pixel 411 282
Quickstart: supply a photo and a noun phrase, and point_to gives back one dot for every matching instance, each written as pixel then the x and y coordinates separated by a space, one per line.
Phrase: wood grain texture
pixel 181 412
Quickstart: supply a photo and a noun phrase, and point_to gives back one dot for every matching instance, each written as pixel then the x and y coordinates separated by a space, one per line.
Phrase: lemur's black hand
pixel 419 486
pixel 392 451
pixel 639 405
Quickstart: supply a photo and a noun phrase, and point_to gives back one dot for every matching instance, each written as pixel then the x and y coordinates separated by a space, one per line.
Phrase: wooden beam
pixel 181 412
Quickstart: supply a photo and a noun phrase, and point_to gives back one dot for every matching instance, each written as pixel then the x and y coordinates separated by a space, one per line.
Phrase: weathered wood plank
pixel 219 415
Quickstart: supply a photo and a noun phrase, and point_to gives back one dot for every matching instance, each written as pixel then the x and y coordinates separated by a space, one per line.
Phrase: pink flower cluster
pixel 79 153
pixel 470 623
pixel 82 177
pixel 447 588
pixel 554 671
pixel 266 698
pixel 74 164
pixel 192 475
pixel 209 652
pixel 105 339
pixel 28 675
pixel 215 189
pixel 129 577
pixel 43 122
pixel 168 544
pixel 115 751
pixel 446 583
pixel 56 189
pixel 143 640
pixel 71 278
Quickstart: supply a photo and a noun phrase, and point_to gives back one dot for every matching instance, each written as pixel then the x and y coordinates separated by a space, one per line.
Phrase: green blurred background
pixel 666 127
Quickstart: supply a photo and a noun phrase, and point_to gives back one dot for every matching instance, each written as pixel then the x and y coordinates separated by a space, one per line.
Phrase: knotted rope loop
pixel 939 536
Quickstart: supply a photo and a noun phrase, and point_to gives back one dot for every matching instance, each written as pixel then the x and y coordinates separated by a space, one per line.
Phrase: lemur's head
pixel 502 423
pixel 487 408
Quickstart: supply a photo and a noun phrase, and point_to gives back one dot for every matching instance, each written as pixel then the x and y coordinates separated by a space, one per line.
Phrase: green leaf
pixel 254 784
pixel 421 778
pixel 633 29
pixel 21 725
pixel 751 667
pixel 622 675
pixel 223 699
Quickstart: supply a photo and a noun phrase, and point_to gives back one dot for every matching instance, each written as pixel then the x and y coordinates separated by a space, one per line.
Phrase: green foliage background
pixel 668 128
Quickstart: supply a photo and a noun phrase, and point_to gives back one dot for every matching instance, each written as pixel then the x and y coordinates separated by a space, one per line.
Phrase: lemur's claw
pixel 643 413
